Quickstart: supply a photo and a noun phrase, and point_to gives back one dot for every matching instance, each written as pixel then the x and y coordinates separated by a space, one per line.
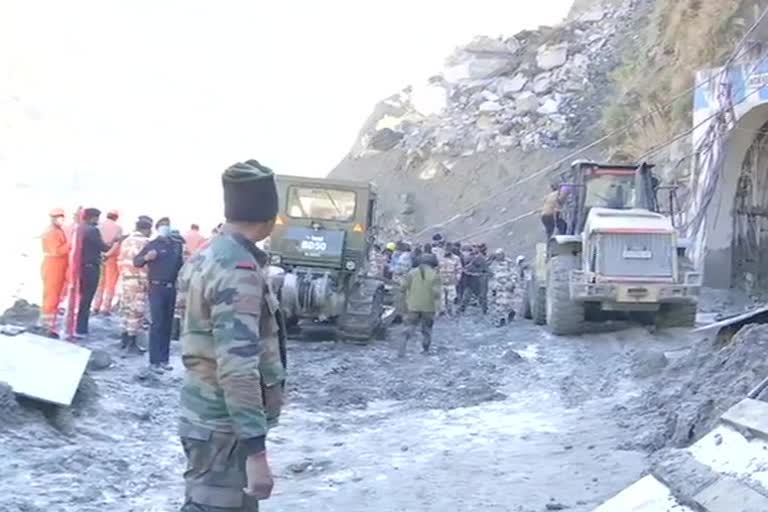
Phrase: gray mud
pixel 508 419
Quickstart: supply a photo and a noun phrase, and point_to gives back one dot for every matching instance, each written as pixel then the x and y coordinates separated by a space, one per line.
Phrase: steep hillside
pixel 515 105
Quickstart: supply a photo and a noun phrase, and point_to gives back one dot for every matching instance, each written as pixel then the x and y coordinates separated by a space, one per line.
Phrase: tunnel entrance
pixel 750 219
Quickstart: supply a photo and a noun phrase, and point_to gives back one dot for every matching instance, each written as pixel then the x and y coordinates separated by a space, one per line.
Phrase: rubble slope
pixel 514 105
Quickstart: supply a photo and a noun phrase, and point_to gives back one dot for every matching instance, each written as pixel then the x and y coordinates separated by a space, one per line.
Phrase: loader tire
pixel 524 306
pixel 676 315
pixel 538 298
pixel 564 316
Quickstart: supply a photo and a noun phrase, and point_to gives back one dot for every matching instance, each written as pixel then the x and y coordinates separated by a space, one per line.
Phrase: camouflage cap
pixel 250 194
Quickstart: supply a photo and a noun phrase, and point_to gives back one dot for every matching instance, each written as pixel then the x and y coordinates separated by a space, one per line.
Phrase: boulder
pixel 551 57
pixel 485 44
pixel 506 141
pixel 508 87
pixel 593 15
pixel 542 83
pixel 550 105
pixel 490 95
pixel 385 139
pixel 526 102
pixel 487 68
pixel 489 106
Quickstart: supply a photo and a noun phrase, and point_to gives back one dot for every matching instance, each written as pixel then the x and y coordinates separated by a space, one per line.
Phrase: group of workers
pixel 443 278
pixel 89 264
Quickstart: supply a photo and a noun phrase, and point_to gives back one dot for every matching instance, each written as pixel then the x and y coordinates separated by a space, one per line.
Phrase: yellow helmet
pixel 391 246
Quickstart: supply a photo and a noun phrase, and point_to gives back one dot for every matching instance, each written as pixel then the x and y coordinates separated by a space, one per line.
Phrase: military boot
pixel 124 341
pixel 176 329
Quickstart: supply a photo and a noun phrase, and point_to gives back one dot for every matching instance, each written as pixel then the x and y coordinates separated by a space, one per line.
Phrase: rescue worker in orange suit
pixel 193 240
pixel 105 294
pixel 54 271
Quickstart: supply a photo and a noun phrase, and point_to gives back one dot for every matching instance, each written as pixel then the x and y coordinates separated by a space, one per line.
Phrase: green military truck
pixel 319 256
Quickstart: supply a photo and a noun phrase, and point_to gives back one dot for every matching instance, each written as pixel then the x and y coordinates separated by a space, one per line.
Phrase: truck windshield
pixel 321 203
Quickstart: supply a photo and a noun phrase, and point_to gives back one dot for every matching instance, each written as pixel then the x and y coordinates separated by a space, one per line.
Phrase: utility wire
pixel 647 154
pixel 549 168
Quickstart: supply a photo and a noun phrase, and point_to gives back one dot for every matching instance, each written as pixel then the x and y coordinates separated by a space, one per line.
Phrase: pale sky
pixel 146 98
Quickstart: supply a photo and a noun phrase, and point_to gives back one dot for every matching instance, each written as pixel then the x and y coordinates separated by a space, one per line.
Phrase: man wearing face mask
pixel 55 263
pixel 163 258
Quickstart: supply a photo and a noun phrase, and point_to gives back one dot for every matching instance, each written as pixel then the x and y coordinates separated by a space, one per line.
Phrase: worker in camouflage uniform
pixel 377 260
pixel 134 285
pixel 449 265
pixel 501 287
pixel 232 352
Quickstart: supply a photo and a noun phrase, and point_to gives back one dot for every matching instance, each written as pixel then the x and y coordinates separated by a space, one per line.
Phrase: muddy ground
pixel 508 419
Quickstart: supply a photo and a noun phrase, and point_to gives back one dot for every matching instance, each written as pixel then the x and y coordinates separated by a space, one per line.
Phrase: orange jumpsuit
pixel 105 293
pixel 194 240
pixel 54 272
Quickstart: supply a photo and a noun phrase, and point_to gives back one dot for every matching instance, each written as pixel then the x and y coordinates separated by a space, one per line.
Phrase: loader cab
pixel 617 187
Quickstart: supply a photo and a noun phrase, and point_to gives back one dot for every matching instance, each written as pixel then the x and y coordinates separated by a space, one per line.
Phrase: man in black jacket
pixel 164 258
pixel 93 247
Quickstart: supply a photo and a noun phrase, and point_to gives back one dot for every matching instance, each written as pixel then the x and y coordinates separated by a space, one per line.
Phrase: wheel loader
pixel 319 255
pixel 619 255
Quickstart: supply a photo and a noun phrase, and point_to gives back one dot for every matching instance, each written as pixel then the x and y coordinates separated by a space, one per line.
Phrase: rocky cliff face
pixel 512 105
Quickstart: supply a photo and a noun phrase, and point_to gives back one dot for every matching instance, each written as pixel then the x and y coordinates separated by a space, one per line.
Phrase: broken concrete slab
pixel 685 476
pixel 750 414
pixel 42 368
pixel 729 495
pixel 508 87
pixel 526 102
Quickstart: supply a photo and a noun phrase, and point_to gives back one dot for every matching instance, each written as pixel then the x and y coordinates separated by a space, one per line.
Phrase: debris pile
pixel 699 387
pixel 537 89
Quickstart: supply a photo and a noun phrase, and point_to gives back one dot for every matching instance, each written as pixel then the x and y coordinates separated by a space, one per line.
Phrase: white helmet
pixel 520 259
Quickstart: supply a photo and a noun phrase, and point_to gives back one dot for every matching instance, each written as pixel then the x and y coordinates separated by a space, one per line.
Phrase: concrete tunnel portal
pixel 735 238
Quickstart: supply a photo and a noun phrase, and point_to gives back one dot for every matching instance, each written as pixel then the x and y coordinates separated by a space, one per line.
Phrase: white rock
pixel 490 96
pixel 526 102
pixel 580 61
pixel 593 15
pixel 489 106
pixel 506 141
pixel 551 57
pixel 485 44
pixel 550 105
pixel 485 123
pixel 487 68
pixel 510 86
pixel 542 84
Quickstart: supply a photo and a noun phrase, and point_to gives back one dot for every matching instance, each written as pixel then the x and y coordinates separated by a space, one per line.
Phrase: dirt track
pixel 497 419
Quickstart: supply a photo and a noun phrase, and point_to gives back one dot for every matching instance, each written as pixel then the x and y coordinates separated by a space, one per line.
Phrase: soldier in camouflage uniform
pixel 134 286
pixel 501 287
pixel 450 273
pixel 232 352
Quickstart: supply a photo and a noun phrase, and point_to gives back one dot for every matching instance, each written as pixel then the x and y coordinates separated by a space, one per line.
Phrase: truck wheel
pixel 524 305
pixel 564 316
pixel 676 315
pixel 537 296
pixel 361 320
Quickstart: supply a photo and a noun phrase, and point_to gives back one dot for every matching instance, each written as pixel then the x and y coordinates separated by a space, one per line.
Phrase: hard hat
pixel 391 246
pixel 437 237
pixel 520 259
pixel 56 212
pixel 499 251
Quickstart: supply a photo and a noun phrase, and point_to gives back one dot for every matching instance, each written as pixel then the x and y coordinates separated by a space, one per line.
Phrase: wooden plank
pixel 42 368
pixel 749 413
pixel 730 495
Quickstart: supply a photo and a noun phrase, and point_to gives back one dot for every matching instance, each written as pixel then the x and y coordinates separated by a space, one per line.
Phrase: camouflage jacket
pixel 129 249
pixel 450 270
pixel 230 347
pixel 502 276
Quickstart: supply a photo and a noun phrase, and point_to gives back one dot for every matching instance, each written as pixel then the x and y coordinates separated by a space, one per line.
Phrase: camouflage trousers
pixel 215 474
pixel 133 304
pixel 502 304
pixel 449 298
